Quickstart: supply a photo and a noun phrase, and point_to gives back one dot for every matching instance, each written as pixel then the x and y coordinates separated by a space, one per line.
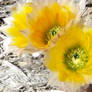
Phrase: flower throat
pixel 76 58
pixel 52 33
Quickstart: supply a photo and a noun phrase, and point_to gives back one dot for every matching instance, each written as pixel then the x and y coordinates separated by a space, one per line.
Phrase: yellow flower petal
pixel 20 24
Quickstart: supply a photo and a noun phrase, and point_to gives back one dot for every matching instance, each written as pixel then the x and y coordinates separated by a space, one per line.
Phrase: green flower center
pixel 52 33
pixel 76 58
pixel 54 30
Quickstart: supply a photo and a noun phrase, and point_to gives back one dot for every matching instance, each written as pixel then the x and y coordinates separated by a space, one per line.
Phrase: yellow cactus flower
pixel 71 58
pixel 37 26
pixel 48 23
pixel 19 24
